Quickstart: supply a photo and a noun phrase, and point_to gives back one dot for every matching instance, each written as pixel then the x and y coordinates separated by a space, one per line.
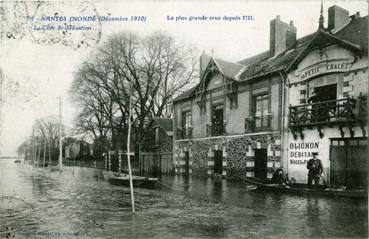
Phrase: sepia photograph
pixel 184 119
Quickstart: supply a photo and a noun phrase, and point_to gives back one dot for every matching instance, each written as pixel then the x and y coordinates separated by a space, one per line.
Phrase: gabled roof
pixel 261 56
pixel 165 123
pixel 227 68
pixel 265 64
pixel 356 31
pixel 185 94
pixel 321 39
pixel 293 55
pixel 353 36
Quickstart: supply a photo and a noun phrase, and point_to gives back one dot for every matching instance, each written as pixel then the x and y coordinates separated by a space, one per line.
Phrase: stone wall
pixel 238 153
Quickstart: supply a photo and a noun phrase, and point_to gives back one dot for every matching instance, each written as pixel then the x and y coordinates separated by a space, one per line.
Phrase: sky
pixel 36 68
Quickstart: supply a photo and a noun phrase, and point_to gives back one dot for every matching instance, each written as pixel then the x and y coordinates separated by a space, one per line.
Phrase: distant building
pixel 78 149
pixel 156 148
pixel 237 122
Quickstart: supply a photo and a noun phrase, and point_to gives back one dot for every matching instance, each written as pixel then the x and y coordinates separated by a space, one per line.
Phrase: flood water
pixel 77 204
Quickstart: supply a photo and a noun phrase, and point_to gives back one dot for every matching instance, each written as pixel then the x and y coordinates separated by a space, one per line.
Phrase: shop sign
pixel 323 67
pixel 300 153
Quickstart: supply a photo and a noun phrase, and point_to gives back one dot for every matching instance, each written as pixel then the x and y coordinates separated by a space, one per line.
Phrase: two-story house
pixel 230 123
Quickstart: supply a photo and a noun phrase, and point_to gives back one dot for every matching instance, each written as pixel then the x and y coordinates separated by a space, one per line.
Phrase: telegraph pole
pixel 43 162
pixel 33 144
pixel 128 149
pixel 60 134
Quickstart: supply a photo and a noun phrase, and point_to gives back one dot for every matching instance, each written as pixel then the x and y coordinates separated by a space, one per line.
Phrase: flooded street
pixel 76 203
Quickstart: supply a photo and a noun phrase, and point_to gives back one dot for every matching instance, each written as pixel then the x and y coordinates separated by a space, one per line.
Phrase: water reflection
pixel 313 217
pixel 34 201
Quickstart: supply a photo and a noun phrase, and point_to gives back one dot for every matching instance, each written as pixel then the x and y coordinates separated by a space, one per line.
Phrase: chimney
pixel 282 35
pixel 355 16
pixel 204 60
pixel 337 17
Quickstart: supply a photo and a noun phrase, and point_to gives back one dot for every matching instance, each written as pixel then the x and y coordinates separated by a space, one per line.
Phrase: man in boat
pixel 315 167
pixel 278 178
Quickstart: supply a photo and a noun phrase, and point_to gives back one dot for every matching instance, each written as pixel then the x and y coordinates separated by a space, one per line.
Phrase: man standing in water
pixel 315 168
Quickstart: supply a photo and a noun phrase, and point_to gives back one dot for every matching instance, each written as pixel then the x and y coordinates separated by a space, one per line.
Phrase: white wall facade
pixel 331 65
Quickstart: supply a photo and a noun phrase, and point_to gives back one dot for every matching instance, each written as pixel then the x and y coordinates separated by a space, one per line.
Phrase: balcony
pixel 215 130
pixel 184 133
pixel 258 123
pixel 346 112
pixel 322 113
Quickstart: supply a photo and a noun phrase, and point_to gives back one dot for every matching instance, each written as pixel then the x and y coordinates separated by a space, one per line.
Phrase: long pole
pixel 39 155
pixel 60 134
pixel 284 137
pixel 128 150
pixel 28 154
pixel 36 153
pixel 33 145
pixel 329 186
pixel 43 163
pixel 48 142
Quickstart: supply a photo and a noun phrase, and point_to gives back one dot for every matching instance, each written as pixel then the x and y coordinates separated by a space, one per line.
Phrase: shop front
pixel 327 113
pixel 344 159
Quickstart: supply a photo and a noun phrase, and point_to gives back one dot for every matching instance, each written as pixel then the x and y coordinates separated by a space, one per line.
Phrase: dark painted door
pixel 261 163
pixel 218 161
pixel 156 166
pixel 217 120
pixel 187 163
pixel 357 167
pixel 338 164
pixel 349 165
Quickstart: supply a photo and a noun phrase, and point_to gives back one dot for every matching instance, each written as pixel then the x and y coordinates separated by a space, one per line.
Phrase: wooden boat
pixel 300 189
pixel 123 179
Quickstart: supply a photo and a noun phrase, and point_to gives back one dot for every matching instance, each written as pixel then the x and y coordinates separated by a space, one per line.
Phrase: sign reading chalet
pixel 329 66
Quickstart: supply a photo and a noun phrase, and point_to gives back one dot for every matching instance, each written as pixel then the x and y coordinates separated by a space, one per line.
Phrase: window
pixel 262 111
pixel 187 119
pixel 186 124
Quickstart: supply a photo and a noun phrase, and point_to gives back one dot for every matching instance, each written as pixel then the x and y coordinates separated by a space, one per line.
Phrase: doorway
pixel 326 92
pixel 187 163
pixel 218 161
pixel 217 120
pixel 156 166
pixel 349 166
pixel 261 159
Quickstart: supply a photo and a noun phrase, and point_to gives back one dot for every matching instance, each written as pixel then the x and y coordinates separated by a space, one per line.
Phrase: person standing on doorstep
pixel 315 168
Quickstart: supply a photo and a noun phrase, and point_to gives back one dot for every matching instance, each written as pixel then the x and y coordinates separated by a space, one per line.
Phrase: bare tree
pixel 22 150
pixel 47 133
pixel 157 68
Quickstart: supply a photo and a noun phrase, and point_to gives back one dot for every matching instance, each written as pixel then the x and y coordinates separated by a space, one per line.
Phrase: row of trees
pixel 154 68
pixel 44 142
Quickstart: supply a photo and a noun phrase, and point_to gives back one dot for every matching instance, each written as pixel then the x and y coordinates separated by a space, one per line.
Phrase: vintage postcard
pixel 184 119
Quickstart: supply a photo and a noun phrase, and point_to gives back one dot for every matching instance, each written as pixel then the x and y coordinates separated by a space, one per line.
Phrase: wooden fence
pixel 154 164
